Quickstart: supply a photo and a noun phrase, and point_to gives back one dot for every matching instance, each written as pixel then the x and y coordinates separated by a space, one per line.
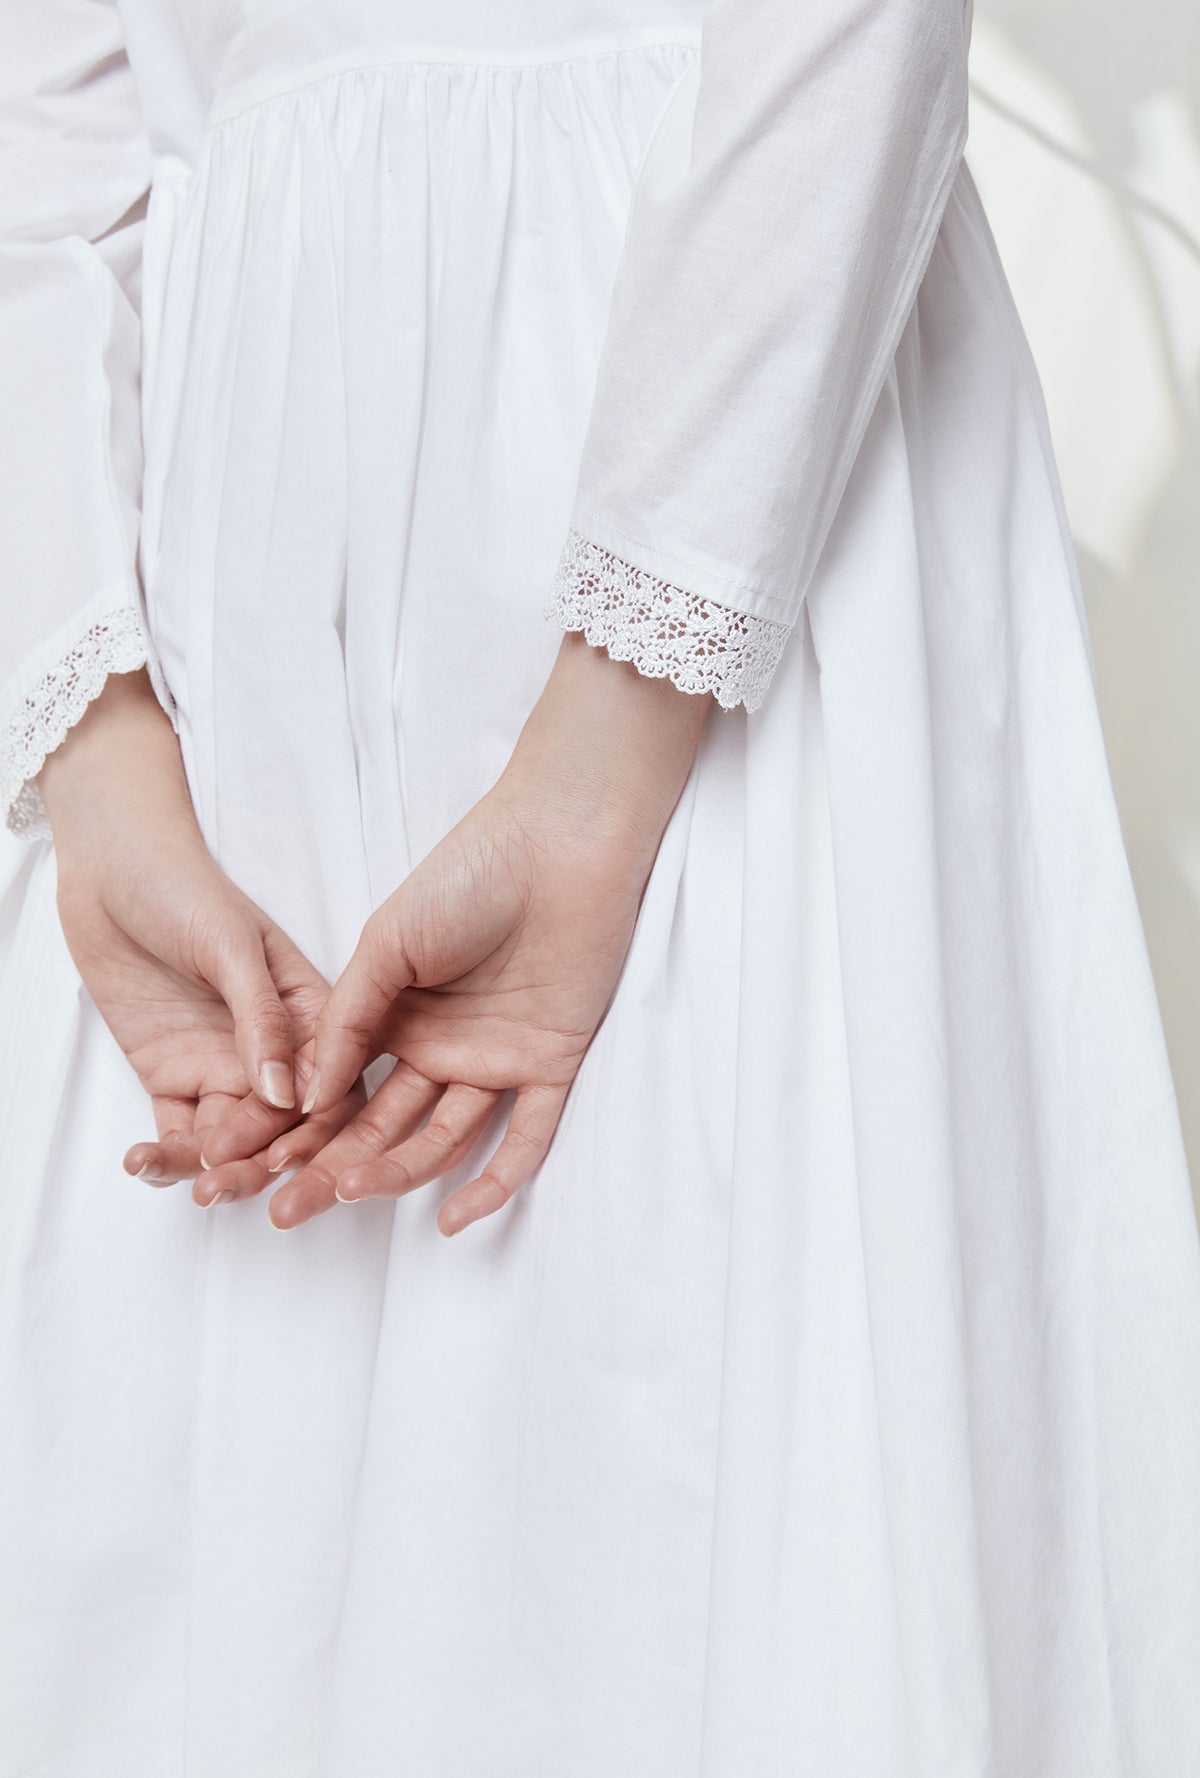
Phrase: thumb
pixel 362 997
pixel 263 1031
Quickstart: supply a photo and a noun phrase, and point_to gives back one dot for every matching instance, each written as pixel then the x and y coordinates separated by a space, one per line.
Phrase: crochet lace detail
pixel 116 643
pixel 667 632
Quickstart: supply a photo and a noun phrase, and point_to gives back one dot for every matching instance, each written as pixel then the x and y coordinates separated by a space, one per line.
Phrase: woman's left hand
pixel 212 1003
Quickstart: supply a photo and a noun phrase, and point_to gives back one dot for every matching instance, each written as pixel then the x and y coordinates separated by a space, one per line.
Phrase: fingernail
pixel 342 1198
pixel 150 1176
pixel 280 1166
pixel 313 1093
pixel 277 1087
pixel 221 1198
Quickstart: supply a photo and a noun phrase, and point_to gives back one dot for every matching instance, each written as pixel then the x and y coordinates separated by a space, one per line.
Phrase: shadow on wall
pixel 1085 145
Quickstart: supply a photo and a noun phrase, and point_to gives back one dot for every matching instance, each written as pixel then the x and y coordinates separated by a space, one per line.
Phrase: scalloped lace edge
pixel 115 643
pixel 664 630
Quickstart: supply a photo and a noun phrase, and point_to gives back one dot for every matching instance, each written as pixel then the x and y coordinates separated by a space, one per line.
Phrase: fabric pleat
pixel 829 1406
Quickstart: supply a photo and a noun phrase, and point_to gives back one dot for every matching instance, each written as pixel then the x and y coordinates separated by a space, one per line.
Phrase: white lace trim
pixel 116 643
pixel 666 632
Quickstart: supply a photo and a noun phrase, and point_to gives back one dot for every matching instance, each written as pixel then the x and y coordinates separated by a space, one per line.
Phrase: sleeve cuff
pixel 42 718
pixel 665 631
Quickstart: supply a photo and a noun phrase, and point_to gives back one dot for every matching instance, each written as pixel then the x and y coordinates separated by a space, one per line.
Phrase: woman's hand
pixel 207 997
pixel 491 966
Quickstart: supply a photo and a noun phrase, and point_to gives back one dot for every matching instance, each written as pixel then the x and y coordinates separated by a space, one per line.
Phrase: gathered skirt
pixel 829 1405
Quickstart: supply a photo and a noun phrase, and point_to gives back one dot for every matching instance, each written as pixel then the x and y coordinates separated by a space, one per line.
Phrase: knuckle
pixel 265 1008
pixel 317 1178
pixel 399 1179
pixel 443 1137
pixel 523 1149
pixel 384 957
pixel 338 1026
pixel 374 1124
pixel 359 1030
pixel 506 1186
pixel 405 1075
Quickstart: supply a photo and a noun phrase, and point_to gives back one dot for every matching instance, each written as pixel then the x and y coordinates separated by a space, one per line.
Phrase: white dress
pixel 829 1405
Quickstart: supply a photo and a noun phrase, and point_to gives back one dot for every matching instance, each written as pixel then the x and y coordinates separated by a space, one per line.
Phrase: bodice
pixel 202 61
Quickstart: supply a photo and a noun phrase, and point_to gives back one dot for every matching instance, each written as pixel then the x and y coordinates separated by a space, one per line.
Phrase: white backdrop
pixel 1085 145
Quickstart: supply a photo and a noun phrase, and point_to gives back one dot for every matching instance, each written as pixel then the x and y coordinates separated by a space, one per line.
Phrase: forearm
pixel 121 762
pixel 605 748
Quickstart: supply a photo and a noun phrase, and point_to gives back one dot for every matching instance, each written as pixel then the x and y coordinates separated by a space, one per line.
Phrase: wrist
pixel 119 765
pixel 605 751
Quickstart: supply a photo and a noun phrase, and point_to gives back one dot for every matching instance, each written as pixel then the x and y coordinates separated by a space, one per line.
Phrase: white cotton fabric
pixel 670 633
pixel 783 220
pixel 829 1406
pixel 74 174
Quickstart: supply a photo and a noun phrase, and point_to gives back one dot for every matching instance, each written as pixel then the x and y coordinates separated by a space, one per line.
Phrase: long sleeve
pixel 783 219
pixel 74 177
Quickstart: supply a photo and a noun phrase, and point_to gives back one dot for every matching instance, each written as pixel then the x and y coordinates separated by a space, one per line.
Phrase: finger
pixel 213 1108
pixel 247 1129
pixel 156 1162
pixel 357 1005
pixel 148 1160
pixel 243 1175
pixel 446 1140
pixel 249 1126
pixel 518 1156
pixel 304 1142
pixel 302 988
pixel 222 1185
pixel 261 1024
pixel 171 1158
pixel 173 1116
pixel 401 1104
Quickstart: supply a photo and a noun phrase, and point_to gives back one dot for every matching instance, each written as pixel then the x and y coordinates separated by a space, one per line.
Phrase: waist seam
pixel 328 70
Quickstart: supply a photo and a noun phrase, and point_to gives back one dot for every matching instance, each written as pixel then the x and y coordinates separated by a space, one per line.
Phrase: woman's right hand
pixel 491 966
pixel 209 999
